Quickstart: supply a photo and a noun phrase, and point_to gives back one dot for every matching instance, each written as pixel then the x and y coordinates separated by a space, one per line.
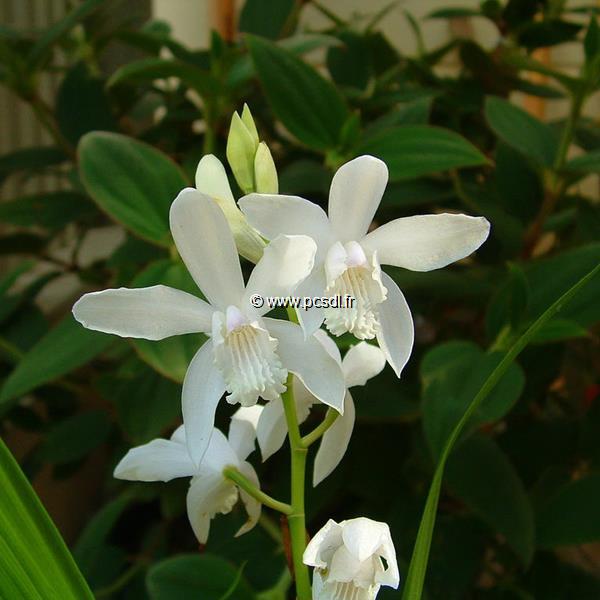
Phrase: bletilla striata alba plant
pixel 277 369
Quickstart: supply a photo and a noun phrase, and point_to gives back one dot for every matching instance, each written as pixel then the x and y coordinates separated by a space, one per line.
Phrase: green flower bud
pixel 265 173
pixel 241 148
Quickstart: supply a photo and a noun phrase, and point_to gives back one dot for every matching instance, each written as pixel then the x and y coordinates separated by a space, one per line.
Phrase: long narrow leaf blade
pixel 413 588
pixel 35 560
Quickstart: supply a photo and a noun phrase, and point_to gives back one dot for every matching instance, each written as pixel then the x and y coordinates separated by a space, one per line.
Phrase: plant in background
pixel 492 427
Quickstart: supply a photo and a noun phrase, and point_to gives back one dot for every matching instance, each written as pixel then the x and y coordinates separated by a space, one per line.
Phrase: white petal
pixel 285 263
pixel 327 342
pixel 253 506
pixel 345 566
pixel 361 363
pixel 391 575
pixel 307 359
pixel 427 242
pixel 356 191
pixel 211 179
pixel 205 243
pixel 271 429
pixel 363 537
pixel 151 313
pixel 273 214
pixel 159 460
pixel 397 333
pixel 203 387
pixel 210 493
pixel 324 541
pixel 313 286
pixel 334 443
pixel 242 429
pixel 179 435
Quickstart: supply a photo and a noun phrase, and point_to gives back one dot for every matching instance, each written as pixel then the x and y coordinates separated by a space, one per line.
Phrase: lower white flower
pixel 210 492
pixel 361 363
pixel 352 560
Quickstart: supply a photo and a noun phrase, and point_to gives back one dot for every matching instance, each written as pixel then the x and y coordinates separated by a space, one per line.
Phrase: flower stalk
pixel 297 519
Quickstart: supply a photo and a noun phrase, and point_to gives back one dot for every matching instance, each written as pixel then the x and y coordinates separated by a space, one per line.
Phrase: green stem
pixel 319 430
pixel 418 565
pixel 297 520
pixel 234 475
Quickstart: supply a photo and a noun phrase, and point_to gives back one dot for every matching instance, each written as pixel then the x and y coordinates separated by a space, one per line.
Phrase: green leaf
pixel 591 42
pixel 80 88
pixel 196 576
pixel 453 13
pixel 411 151
pixel 521 131
pixel 63 349
pixel 131 181
pixel 570 516
pixel 74 438
pixel 265 18
pixel 146 403
pixel 308 105
pixel 56 31
pixel 170 356
pixel 52 210
pixel 586 163
pixel 559 330
pixel 147 70
pixel 480 474
pixel 452 373
pixel 549 32
pixel 36 563
pixel 30 159
pixel 413 588
pixel 410 113
pixel 92 541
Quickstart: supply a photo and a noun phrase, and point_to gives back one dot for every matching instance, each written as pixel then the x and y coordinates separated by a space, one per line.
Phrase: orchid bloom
pixel 210 492
pixel 347 560
pixel 361 363
pixel 348 258
pixel 247 355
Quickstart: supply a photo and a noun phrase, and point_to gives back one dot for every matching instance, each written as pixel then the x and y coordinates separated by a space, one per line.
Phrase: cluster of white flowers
pixel 249 356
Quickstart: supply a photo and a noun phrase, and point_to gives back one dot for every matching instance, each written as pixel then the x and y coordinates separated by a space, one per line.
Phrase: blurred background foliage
pixel 134 111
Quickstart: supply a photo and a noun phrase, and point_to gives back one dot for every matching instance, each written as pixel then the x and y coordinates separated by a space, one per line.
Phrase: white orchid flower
pixel 247 355
pixel 348 258
pixel 211 179
pixel 210 492
pixel 361 363
pixel 347 560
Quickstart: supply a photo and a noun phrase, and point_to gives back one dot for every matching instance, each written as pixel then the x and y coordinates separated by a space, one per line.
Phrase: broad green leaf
pixel 51 210
pixel 350 63
pixel 196 576
pixel 30 159
pixel 146 70
pixel 74 438
pixel 80 89
pixel 36 564
pixel 265 18
pixel 93 544
pixel 304 176
pixel 416 192
pixel 56 31
pixel 308 105
pixel 453 13
pixel 521 131
pixel 170 356
pixel 549 32
pixel 411 151
pixel 570 516
pixel 586 163
pixel 410 113
pixel 559 330
pixel 146 403
pixel 131 181
pixel 480 474
pixel 413 588
pixel 66 347
pixel 452 373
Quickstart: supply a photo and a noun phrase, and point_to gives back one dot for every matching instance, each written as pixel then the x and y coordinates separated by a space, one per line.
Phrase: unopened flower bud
pixel 265 173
